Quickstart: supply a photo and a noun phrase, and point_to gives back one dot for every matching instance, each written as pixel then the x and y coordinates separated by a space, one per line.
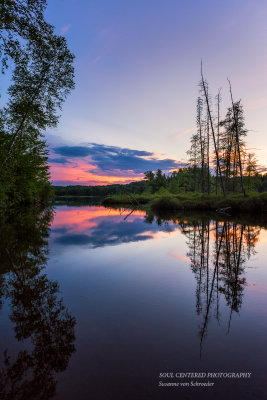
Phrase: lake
pixel 101 303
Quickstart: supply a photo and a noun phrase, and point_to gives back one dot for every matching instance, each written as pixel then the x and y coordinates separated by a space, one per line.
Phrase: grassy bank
pixel 252 203
pixel 128 200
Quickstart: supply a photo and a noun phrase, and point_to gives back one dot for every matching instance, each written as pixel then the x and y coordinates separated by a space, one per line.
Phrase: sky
pixel 137 69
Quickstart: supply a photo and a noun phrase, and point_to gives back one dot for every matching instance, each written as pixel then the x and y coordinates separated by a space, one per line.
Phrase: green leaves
pixel 42 77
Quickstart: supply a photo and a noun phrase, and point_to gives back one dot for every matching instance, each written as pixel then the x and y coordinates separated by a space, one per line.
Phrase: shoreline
pixel 254 203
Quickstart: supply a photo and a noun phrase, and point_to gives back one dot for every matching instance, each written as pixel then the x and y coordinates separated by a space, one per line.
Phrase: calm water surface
pixel 103 301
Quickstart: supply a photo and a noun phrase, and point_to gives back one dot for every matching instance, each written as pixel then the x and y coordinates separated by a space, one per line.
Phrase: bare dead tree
pixel 199 125
pixel 212 128
pixel 218 101
pixel 237 139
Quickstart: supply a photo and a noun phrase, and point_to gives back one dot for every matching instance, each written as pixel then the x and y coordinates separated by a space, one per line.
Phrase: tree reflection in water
pixel 218 252
pixel 36 310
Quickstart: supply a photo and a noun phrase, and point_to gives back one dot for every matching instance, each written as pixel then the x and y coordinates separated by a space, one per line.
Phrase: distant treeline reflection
pixel 36 311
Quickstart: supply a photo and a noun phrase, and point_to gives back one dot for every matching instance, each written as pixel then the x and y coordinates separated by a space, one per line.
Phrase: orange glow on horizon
pixel 79 173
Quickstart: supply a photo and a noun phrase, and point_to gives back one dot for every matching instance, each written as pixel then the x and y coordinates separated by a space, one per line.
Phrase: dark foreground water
pixel 104 304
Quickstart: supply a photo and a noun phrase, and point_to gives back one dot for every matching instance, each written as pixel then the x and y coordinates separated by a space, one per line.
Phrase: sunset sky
pixel 137 71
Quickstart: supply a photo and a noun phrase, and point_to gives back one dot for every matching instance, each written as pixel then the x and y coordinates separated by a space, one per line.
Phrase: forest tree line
pixel 182 181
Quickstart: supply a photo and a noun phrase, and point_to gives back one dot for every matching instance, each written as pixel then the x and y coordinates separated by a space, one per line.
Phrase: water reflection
pixel 98 226
pixel 218 252
pixel 42 324
pixel 148 292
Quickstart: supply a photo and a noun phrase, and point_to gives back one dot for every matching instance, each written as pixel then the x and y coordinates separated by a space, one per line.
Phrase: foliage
pixel 21 22
pixel 101 190
pixel 252 203
pixel 42 77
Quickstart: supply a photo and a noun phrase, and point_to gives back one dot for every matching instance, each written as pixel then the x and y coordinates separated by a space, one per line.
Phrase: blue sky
pixel 138 66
